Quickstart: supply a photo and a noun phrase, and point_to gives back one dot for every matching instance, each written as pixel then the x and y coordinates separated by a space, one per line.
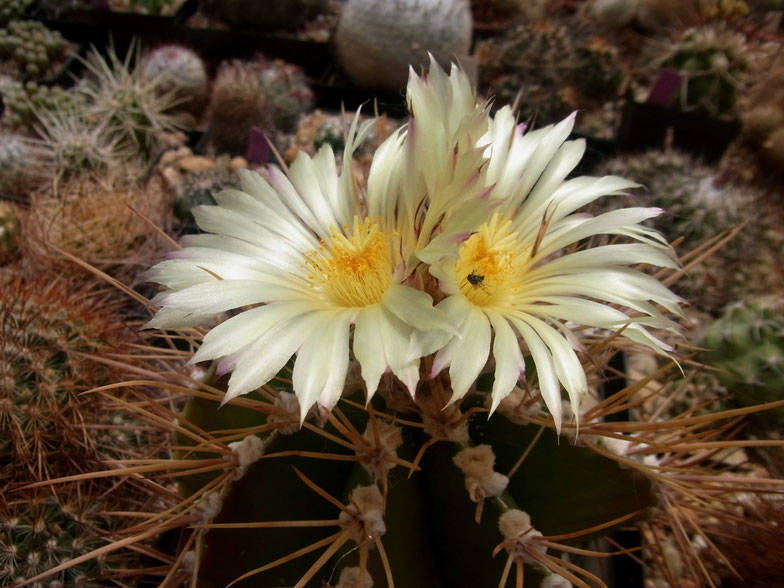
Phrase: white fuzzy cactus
pixel 378 39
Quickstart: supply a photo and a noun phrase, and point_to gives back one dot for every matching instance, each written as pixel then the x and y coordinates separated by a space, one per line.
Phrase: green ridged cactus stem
pixel 287 92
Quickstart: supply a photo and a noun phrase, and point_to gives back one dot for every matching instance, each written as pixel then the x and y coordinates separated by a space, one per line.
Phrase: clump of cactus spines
pixel 238 104
pixel 377 40
pixel 71 145
pixel 287 92
pixel 103 219
pixel 711 60
pixel 30 49
pixel 27 102
pixel 180 73
pixel 130 105
pixel 49 329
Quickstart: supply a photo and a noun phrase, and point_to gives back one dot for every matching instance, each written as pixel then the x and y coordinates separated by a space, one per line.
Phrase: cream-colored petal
pixel 509 363
pixel 415 308
pixel 322 362
pixel 470 352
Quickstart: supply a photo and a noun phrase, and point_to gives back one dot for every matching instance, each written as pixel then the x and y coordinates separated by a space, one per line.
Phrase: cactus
pixel 746 343
pixel 18 160
pixel 180 73
pixel 103 219
pixel 377 40
pixel 27 103
pixel 285 14
pixel 71 145
pixel 598 73
pixel 711 61
pixel 238 104
pixel 700 206
pixel 130 106
pixel 197 188
pixel 287 93
pixel 12 10
pixel 9 230
pixel 31 49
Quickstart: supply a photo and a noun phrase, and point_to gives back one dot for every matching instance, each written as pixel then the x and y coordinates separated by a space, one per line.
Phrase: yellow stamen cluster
pixel 356 264
pixel 491 263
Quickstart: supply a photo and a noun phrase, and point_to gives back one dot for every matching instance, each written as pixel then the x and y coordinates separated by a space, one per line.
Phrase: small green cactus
pixel 711 60
pixel 27 102
pixel 197 188
pixel 746 345
pixel 598 73
pixel 32 49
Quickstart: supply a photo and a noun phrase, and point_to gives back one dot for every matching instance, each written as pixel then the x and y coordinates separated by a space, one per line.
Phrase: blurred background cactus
pixel 30 50
pixel 12 10
pixel 378 40
pixel 700 205
pixel 179 74
pixel 282 14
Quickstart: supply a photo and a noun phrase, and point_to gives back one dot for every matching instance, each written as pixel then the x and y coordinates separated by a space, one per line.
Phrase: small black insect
pixel 475 279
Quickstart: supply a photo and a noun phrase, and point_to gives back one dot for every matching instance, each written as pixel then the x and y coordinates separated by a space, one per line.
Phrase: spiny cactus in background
pixel 31 49
pixel 492 10
pixel 699 206
pixel 378 40
pixel 283 14
pixel 21 164
pixel 130 106
pixel 746 343
pixel 238 104
pixel 762 118
pixel 287 93
pixel 598 73
pixel 27 102
pixel 71 145
pixel 43 530
pixel 48 329
pixel 712 60
pixel 12 10
pixel 103 219
pixel 180 73
pixel 198 187
pixel 9 230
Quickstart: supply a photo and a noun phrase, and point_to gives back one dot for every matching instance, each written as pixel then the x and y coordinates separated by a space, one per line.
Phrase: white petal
pixel 262 360
pixel 509 364
pixel 470 352
pixel 415 308
pixel 322 362
pixel 214 297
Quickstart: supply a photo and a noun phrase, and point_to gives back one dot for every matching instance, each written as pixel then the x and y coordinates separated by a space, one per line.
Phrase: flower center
pixel 356 265
pixel 491 263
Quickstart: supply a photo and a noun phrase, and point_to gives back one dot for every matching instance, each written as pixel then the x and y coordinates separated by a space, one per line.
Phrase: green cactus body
pixel 31 49
pixel 598 73
pixel 746 344
pixel 180 73
pixel 29 102
pixel 430 537
pixel 12 10
pixel 712 61
pixel 14 156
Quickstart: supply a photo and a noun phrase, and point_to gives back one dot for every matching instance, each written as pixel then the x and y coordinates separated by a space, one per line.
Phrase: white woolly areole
pixel 364 513
pixel 209 508
pixel 446 424
pixel 555 581
pixel 519 535
pixel 384 439
pixel 354 577
pixel 287 423
pixel 189 560
pixel 518 406
pixel 248 452
pixel 481 480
